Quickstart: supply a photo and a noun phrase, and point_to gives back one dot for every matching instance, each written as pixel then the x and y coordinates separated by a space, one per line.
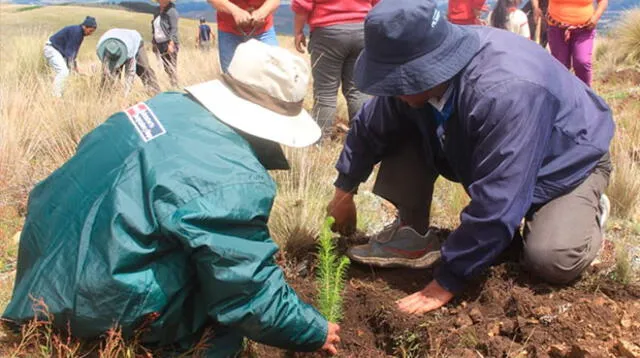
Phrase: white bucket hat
pixel 262 95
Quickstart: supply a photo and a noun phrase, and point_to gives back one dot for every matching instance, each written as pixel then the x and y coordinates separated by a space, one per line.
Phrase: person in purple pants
pixel 571 31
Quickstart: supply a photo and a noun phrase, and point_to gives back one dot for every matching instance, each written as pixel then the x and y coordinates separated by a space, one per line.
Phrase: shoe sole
pixel 425 261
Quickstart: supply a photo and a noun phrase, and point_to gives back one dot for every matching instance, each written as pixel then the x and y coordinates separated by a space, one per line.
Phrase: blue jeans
pixel 227 43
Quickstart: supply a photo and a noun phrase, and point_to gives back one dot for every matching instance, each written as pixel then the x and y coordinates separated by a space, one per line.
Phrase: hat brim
pixel 422 73
pixel 297 131
pixel 113 62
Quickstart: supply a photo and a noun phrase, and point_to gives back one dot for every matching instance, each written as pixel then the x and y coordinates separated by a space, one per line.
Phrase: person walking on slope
pixel 507 16
pixel 62 49
pixel 158 223
pixel 241 20
pixel 488 109
pixel 337 37
pixel 205 36
pixel 120 49
pixel 166 41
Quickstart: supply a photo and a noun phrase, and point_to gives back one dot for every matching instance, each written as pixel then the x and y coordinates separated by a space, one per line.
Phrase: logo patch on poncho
pixel 145 121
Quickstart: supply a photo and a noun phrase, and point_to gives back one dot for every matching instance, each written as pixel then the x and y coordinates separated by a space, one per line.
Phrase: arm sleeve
pixel 74 46
pixel 523 24
pixel 510 135
pixel 173 22
pixel 228 240
pixel 374 129
pixel 302 6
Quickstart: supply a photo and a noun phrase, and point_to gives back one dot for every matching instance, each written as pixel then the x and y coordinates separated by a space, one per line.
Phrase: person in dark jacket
pixel 158 223
pixel 62 49
pixel 493 111
pixel 165 40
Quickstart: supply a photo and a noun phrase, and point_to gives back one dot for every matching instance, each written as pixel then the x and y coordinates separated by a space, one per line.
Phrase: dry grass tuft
pixel 620 50
pixel 39 338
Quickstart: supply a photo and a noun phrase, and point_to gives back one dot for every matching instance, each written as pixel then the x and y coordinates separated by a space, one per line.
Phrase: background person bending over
pixel 160 219
pixel 62 49
pixel 241 20
pixel 120 49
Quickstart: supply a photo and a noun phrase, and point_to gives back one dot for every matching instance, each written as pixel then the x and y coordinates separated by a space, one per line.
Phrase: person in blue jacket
pixel 62 49
pixel 488 109
pixel 158 223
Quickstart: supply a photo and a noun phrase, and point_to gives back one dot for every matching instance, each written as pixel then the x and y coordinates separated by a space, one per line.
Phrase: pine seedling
pixel 331 275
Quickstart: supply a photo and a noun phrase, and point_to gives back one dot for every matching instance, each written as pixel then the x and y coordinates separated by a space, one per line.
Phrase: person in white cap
pixel 158 223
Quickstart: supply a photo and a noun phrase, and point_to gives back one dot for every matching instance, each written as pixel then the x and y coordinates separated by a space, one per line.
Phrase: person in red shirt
pixel 241 20
pixel 466 12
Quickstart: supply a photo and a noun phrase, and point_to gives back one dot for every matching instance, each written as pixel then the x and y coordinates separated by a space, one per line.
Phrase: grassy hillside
pixel 39 132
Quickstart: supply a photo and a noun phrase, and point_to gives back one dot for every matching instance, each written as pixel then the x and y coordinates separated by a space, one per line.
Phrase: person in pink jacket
pixel 337 37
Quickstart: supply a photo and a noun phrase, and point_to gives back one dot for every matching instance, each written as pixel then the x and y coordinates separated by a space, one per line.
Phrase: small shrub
pixel 331 275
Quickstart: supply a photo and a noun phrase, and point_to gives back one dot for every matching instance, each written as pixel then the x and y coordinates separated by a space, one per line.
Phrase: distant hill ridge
pixel 284 15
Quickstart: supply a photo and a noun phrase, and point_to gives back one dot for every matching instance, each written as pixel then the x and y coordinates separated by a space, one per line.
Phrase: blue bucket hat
pixel 410 48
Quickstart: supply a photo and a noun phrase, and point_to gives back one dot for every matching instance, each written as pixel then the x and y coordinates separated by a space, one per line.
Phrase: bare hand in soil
pixel 430 298
pixel 332 339
pixel 343 209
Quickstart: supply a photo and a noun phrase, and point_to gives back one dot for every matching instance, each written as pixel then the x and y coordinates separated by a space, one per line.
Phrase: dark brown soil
pixel 505 314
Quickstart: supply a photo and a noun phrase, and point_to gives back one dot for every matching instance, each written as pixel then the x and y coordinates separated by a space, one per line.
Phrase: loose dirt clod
pixel 476 315
pixel 463 320
pixel 628 349
pixel 464 353
pixel 559 350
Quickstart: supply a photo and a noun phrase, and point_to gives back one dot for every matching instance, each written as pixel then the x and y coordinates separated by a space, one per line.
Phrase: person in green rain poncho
pixel 160 218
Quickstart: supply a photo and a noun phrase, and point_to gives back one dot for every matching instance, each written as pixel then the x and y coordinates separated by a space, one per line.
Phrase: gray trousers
pixel 334 50
pixel 561 237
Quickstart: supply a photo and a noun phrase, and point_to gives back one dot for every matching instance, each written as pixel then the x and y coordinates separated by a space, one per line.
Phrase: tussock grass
pixel 619 52
pixel 624 185
pixel 622 46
